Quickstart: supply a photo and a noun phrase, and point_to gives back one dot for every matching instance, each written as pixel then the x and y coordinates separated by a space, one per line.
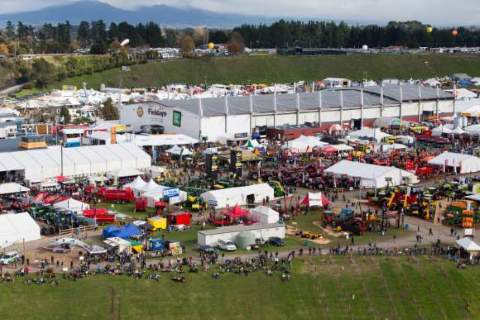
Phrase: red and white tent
pixel 315 199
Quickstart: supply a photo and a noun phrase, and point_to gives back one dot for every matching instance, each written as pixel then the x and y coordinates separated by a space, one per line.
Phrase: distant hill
pixel 162 14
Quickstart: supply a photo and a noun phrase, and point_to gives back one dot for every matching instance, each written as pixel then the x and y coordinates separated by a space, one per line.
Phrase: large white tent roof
pixel 370 174
pixel 370 133
pixel 466 162
pixel 11 187
pixel 43 164
pixel 17 227
pixel 72 204
pixel 468 244
pixel 304 144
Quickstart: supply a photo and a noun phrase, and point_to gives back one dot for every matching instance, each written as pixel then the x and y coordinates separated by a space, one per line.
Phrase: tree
pixel 4 49
pixel 83 34
pixel 43 73
pixel 171 38
pixel 65 115
pixel 109 111
pixel 187 45
pixel 236 44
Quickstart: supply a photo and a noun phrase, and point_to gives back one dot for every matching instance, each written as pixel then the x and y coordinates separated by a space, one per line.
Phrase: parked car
pixel 227 245
pixel 9 257
pixel 63 248
pixel 276 241
pixel 207 249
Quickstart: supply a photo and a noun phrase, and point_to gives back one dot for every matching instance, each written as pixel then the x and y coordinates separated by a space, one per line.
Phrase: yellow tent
pixel 158 223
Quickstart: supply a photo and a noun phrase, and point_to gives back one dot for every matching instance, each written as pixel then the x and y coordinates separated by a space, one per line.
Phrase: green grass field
pixel 270 69
pixel 320 288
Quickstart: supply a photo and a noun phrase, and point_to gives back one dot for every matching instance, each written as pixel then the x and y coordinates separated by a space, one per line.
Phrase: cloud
pixel 440 12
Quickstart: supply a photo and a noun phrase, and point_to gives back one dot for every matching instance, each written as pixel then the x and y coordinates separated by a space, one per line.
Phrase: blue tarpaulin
pixel 129 231
pixel 110 232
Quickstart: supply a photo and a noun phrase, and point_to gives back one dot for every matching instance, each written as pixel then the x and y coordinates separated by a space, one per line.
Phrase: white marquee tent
pixel 136 184
pixel 368 133
pixel 43 164
pixel 461 163
pixel 72 205
pixel 11 188
pixel 179 151
pixel 438 131
pixel 16 228
pixel 371 176
pixel 304 144
pixel 230 197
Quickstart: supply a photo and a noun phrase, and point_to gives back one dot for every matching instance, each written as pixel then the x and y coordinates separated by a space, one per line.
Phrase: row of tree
pixel 100 38
pixel 412 34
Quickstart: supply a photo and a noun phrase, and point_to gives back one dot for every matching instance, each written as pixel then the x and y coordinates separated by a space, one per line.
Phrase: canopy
pixel 238 195
pixel 473 129
pixel 329 149
pixel 438 131
pixel 304 144
pixel 17 227
pixel 236 212
pixel 370 175
pixel 151 185
pixel 179 151
pixel 369 133
pixel 129 231
pixel 465 162
pixel 473 111
pixel 11 188
pixel 458 130
pixel 110 231
pixel 468 244
pixel 72 205
pixel 315 199
pixel 136 184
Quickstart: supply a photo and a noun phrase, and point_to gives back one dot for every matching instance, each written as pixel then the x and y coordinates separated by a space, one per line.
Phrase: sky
pixel 439 12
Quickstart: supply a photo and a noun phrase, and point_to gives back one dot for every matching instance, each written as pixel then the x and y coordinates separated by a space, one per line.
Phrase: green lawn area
pixel 320 288
pixel 270 69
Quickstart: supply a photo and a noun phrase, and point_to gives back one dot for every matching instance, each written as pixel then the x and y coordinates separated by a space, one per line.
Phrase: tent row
pixel 43 164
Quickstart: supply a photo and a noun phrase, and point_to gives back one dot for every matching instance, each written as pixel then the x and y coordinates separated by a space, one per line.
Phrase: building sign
pixel 157 111
pixel 170 193
pixel 177 118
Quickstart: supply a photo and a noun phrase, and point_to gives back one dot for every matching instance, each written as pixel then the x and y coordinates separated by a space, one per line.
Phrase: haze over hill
pixel 162 14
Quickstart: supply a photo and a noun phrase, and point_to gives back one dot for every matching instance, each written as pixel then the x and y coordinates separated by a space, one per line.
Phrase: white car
pixel 227 245
pixel 9 257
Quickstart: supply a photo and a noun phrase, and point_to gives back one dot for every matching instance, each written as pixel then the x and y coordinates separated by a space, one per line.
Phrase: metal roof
pixel 410 92
pixel 325 99
pixel 241 228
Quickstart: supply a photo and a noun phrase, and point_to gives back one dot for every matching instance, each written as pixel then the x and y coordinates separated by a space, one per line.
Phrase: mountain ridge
pixel 161 14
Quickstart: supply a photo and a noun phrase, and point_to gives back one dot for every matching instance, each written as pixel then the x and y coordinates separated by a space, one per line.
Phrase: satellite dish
pixel 125 42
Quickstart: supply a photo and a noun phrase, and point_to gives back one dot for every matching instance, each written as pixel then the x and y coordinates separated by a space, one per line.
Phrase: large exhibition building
pixel 237 117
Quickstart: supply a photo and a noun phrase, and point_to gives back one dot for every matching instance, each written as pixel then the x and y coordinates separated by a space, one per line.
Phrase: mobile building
pixel 240 196
pixel 231 233
pixel 237 117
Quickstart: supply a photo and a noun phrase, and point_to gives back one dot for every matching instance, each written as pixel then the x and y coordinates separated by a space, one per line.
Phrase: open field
pixel 269 69
pixel 321 288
